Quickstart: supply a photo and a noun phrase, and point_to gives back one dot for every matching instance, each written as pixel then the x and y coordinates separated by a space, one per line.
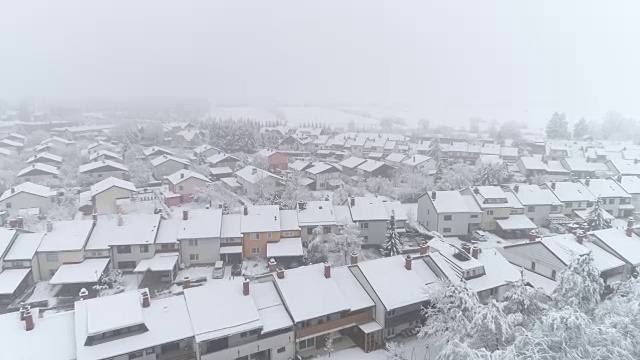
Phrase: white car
pixel 218 270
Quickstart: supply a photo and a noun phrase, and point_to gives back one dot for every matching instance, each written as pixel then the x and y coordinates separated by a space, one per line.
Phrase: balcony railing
pixel 361 318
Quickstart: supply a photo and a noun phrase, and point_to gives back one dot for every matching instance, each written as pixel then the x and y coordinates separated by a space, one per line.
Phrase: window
pixel 474 216
pixel 135 355
pixel 126 265
pixel 194 257
pixel 365 238
pixel 255 250
pixel 269 235
pixel 149 351
pixel 253 332
pixel 180 187
pixel 52 257
pixel 364 225
pixel 287 233
pixel 281 350
pixel 193 242
pixel 8 205
pixel 308 343
pixel 144 248
pixel 448 217
pixel 533 265
pixel 531 208
pixel 446 230
pixel 612 201
pixel 100 175
pixel 255 236
pixel 167 246
pixel 554 208
pixel 243 334
pixel 309 231
pixel 553 274
pixel 123 249
pixel 391 313
pixel 489 212
pixel 326 230
pixel 568 205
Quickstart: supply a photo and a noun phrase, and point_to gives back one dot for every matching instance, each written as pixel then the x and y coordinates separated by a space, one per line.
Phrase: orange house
pixel 267 224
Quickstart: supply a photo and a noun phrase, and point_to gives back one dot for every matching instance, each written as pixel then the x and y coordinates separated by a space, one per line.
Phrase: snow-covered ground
pixel 300 115
pixel 242 112
pixel 414 349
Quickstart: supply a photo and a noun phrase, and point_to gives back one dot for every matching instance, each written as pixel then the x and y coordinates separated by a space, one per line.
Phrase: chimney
pixel 186 282
pixel 182 175
pixel 246 210
pixel 553 185
pixel 327 270
pixel 580 237
pixel 23 308
pixel 630 222
pixel 424 248
pixel 466 247
pixel 20 222
pixel 254 171
pixel 353 201
pixel 28 319
pixel 84 294
pixel 272 265
pixel 220 206
pixel 516 188
pixel 476 191
pixel 185 214
pixel 619 178
pixel 587 181
pixel 120 220
pixel 49 226
pixel 245 287
pixel 475 251
pixel 629 230
pixel 414 159
pixel 354 258
pixel 13 190
pixel 532 236
pixel 94 216
pixel 280 273
pixel 407 262
pixel 146 302
pixel 433 195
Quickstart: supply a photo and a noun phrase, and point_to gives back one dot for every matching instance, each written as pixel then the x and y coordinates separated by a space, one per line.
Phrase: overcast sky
pixel 506 60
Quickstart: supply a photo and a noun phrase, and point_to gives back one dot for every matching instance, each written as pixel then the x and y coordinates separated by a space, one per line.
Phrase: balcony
pixel 356 319
pixel 403 318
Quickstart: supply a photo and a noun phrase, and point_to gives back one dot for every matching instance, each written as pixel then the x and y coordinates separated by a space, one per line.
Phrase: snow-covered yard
pixel 414 349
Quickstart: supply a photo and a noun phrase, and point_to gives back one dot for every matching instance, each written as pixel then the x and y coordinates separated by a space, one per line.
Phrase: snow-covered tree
pixel 393 243
pixel 66 207
pixel 490 328
pixel 214 194
pixel 110 281
pixel 441 169
pixel 458 176
pixel 396 351
pixel 580 285
pixel 596 217
pixel 328 343
pixel 261 162
pixel 558 127
pixel 523 304
pixel 580 129
pixel 318 248
pixel 435 150
pixel 492 174
pixel 295 191
pixel 347 241
pixel 37 137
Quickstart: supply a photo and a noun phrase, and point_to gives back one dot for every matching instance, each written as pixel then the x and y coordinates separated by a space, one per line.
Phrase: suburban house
pixel 630 184
pixel 312 214
pixel 99 170
pixel 108 195
pixel 275 159
pixel 399 286
pixel 581 169
pixel 222 160
pixel 199 236
pixel 105 155
pixel 28 196
pixel 255 181
pixel 371 215
pixel 573 195
pixel 538 202
pixel 11 145
pixel 46 158
pixel 322 301
pixel 231 238
pixel 623 244
pixel 350 166
pixel 450 213
pixel 419 163
pixel 374 168
pixel 531 166
pixel 218 173
pixel 22 254
pixel 615 200
pixel 395 159
pixel 324 176
pixel 167 237
pixel 58 143
pixel 38 173
pixel 166 165
pixel 16 137
pixel 187 138
pixel 99 146
pixel 155 151
pixel 555 152
pixel 493 202
pixel 240 321
pixel 205 151
pixel 12 280
pixel 63 244
pixel 509 154
pixel 186 183
pixel 260 225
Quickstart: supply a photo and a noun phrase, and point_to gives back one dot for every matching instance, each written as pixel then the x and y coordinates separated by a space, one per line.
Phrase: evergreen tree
pixel 580 129
pixel 580 285
pixel 435 150
pixel 558 127
pixel 393 244
pixel 596 217
pixel 441 168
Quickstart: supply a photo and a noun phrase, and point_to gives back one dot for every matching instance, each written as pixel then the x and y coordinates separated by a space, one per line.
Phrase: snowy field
pixel 299 115
pixel 242 112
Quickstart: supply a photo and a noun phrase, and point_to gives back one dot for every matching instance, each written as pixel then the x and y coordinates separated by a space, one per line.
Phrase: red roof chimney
pixel 185 214
pixel 28 319
pixel 423 249
pixel 629 232
pixel 245 287
pixel 246 210
pixel 146 302
pixel 280 273
pixel 407 262
pixel 475 251
pixel 630 222
pixel 354 258
pixel 327 270
pixel 186 282
pixel 532 236
pixel 84 294
pixel 272 265
pixel 580 237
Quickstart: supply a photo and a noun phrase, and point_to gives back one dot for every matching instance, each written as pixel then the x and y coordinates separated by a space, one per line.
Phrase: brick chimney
pixel 476 191
pixel 354 258
pixel 186 282
pixel 280 273
pixel 629 229
pixel 553 185
pixel 433 195
pixel 475 251
pixel 185 214
pixel 532 236
pixel 28 319
pixel 49 226
pixel 580 237
pixel 94 216
pixel 84 294
pixel 146 302
pixel 516 188
pixel 254 171
pixel 353 201
pixel 466 248
pixel 327 270
pixel 272 265
pixel 407 262
pixel 587 181
pixel 120 220
pixel 423 249
pixel 182 175
pixel 245 287
pixel 20 222
pixel 246 210
pixel 13 190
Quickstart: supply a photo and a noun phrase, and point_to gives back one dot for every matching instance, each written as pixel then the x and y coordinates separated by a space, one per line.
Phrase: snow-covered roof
pixel 110 182
pixel 44 155
pixel 88 271
pixel 57 139
pixel 70 235
pixel 321 167
pixel 285 247
pixel 299 165
pixel 202 148
pixel 343 214
pixel 508 151
pixel 581 164
pixel 567 248
pixel 167 321
pixel 183 174
pixel 29 188
pixel 489 196
pixel 516 222
pixel 627 248
pixel 538 281
pixel 220 310
pixel 606 188
pixel 230 226
pixel 571 191
pixel 103 165
pixel 630 184
pixel 626 167
pixel 555 167
pixel 136 229
pixel 156 149
pixel 289 220
pixel 308 294
pixel 271 310
pixel 231 182
pixel 51 338
pixel 352 162
pixel 371 165
pixel 188 134
pixel 220 170
pixel 11 143
pixel 214 159
pixel 396 157
pixel 38 167
pixel 261 218
pixel 168 231
pixel 453 202
pixel 248 174
pixel 317 213
pixel 164 158
pixel 532 163
pixel 375 208
pixel 24 246
pixel 415 160
pixel 159 262
pixel 10 279
pixel 235 249
pixel 534 195
pixel 202 224
pixel 105 153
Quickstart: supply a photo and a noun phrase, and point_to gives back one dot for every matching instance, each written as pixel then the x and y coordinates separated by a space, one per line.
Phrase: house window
pixel 52 257
pixel 8 205
pixel 489 212
pixel 533 265
pixel 180 187
pixel 553 274
pixel 309 231
pixel 135 355
pixel 446 230
pixel 269 235
pixel 100 175
pixel 326 230
pixel 365 238
pixel 281 350
pixel 531 208
pixel 448 217
pixel 126 265
pixel 612 201
pixel 364 225
pixel 149 351
pixel 568 205
pixel 193 242
pixel 255 250
pixel 255 236
pixel 144 248
pixel 474 216
pixel 167 246
pixel 194 257
pixel 308 343
pixel 123 249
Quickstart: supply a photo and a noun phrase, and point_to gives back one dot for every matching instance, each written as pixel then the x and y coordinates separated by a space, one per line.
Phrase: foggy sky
pixel 508 60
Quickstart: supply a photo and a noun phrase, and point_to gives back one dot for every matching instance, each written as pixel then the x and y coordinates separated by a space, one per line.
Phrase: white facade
pixel 199 251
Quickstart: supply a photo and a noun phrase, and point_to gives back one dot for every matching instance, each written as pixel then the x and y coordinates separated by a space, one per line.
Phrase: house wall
pixel 278 161
pixel 635 201
pixel 36 179
pixel 25 200
pixel 491 214
pixel 167 168
pixel 524 255
pixel 208 251
pixel 105 202
pixel 570 206
pixel 375 234
pixel 64 257
pixel 187 188
pixel 539 213
pixel 285 340
pixel 306 237
pixel 248 243
pixel 322 178
pixel 135 255
pixel 101 175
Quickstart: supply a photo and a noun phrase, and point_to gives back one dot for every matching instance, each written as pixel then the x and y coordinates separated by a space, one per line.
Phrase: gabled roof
pixel 566 248
pixel 317 213
pixel 396 157
pixel 261 218
pixel 532 163
pixel 375 208
pixel 102 166
pixel 136 229
pixel 571 191
pixel 38 167
pixel 247 173
pixel 322 167
pixel 352 162
pixel 202 224
pixel 214 159
pixel 371 165
pixel 416 159
pixel 44 155
pixel 24 246
pixel 630 184
pixel 625 247
pixel 230 226
pixel 156 149
pixel 453 202
pixel 534 195
pixel 105 153
pixel 110 182
pixel 606 188
pixel 183 174
pixel 164 158
pixel 28 188
pixel 70 235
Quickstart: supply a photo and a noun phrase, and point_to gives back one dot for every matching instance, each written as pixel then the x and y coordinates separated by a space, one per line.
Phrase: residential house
pixel 538 202
pixel 275 159
pixel 493 202
pixel 12 281
pixel 450 213
pixel 630 184
pixel 187 138
pixel 99 170
pixel 324 176
pixel 231 238
pixel 531 166
pixel 374 168
pixel 260 225
pixel 623 244
pixel 395 159
pixel 102 155
pixel 167 237
pixel 16 137
pixel 222 160
pixel 28 196
pixel 624 167
pixel 350 166
pixel 186 183
pixel 108 195
pixel 11 145
pixel 166 165
pixel 218 173
pixel 573 195
pixel 22 254
pixel 509 154
pixel 155 151
pixel 199 236
pixel 419 163
pixel 100 146
pixel 38 173
pixel 555 152
pixel 58 143
pixel 205 151
pixel 312 214
pixel 46 158
pixel 371 215
pixel 256 182
pixel 240 321
pixel 63 243
pixel 615 200
pixel 581 169
pixel 296 141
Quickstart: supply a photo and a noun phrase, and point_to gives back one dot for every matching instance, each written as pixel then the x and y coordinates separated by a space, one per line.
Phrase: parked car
pixel 236 269
pixel 218 270
pixel 481 235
